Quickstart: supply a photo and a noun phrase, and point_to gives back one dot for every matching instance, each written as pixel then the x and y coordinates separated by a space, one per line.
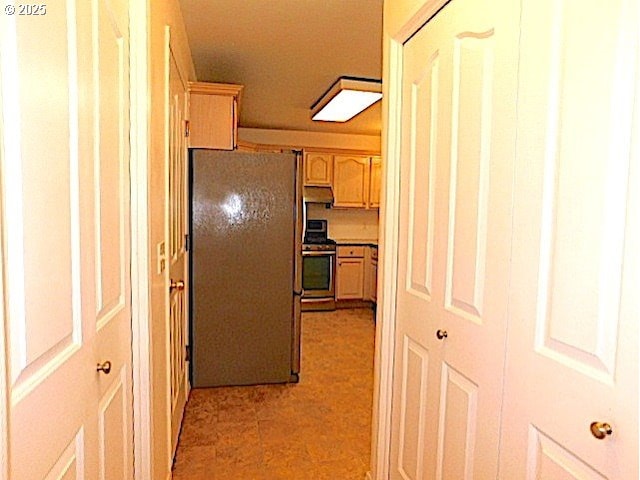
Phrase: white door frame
pixel 390 214
pixel 4 381
pixel 140 254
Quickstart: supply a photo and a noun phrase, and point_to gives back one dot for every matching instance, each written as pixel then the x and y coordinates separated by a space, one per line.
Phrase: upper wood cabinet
pixel 374 182
pixel 351 181
pixel 318 169
pixel 213 115
pixel 356 181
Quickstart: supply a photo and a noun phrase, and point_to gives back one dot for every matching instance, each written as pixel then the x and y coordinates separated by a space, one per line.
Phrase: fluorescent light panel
pixel 346 98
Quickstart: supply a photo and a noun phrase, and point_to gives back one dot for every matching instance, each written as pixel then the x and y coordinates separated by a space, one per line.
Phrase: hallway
pixel 319 428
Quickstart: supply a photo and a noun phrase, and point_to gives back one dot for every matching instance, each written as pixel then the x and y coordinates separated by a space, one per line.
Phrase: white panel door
pixel 573 336
pixel 65 188
pixel 457 154
pixel 178 328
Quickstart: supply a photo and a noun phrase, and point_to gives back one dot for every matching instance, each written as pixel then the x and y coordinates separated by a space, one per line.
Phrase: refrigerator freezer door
pixel 243 224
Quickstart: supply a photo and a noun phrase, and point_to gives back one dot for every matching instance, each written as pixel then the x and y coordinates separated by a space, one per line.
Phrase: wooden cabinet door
pixel 374 182
pixel 350 279
pixel 351 181
pixel 212 121
pixel 373 280
pixel 318 169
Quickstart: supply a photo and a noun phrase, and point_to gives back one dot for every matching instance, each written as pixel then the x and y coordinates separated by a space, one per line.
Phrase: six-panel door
pixel 65 191
pixel 457 154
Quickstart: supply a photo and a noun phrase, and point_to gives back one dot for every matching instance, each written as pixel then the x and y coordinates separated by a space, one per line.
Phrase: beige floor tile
pixel 316 429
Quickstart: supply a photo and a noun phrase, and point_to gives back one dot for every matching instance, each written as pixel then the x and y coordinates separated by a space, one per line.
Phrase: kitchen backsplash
pixel 352 224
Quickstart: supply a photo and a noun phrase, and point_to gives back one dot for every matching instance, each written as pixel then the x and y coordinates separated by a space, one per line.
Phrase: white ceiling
pixel 287 53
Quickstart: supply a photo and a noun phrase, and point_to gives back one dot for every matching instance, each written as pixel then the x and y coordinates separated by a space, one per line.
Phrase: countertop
pixel 354 241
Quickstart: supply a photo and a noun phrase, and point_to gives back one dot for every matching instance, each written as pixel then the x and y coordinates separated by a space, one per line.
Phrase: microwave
pixel 315 231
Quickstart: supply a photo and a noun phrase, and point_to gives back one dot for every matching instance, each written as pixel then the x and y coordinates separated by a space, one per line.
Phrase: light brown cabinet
pixel 370 273
pixel 350 273
pixel 318 169
pixel 375 179
pixel 213 112
pixel 351 181
pixel 356 181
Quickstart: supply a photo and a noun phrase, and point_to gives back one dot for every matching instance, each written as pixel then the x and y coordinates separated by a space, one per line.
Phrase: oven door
pixel 318 274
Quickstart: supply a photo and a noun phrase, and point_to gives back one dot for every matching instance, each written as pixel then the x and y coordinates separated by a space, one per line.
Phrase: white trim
pixel 4 379
pixel 389 244
pixel 166 59
pixel 5 384
pixel 140 255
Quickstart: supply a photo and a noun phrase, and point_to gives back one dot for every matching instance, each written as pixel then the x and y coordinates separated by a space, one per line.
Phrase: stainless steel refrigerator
pixel 246 227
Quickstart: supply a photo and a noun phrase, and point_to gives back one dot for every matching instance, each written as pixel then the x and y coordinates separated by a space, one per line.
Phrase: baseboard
pixel 354 304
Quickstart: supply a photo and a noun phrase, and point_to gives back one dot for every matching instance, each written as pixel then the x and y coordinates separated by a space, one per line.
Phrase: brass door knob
pixel 104 367
pixel 601 430
pixel 176 285
pixel 442 334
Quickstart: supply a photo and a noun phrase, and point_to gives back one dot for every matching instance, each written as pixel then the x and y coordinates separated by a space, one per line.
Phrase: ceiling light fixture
pixel 346 98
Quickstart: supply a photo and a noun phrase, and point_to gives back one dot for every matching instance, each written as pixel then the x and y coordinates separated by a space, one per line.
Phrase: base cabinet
pixel 371 273
pixel 350 282
pixel 357 273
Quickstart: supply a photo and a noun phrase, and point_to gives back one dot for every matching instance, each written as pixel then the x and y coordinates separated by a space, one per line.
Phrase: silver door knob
pixel 442 334
pixel 601 430
pixel 104 367
pixel 176 285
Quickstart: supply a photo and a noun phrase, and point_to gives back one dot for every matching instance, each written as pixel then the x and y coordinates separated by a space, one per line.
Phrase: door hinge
pixel 187 243
pixel 186 128
pixel 187 353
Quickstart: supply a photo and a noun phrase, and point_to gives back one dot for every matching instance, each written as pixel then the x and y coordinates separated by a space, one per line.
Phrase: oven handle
pixel 319 253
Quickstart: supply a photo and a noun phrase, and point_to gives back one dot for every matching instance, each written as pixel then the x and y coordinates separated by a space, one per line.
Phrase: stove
pixel 319 246
pixel 318 267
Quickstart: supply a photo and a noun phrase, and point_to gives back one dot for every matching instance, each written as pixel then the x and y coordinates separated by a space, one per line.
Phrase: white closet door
pixel 573 348
pixel 65 192
pixel 457 154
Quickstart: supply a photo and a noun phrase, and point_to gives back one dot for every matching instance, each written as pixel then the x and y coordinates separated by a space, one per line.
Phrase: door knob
pixel 104 367
pixel 442 334
pixel 176 285
pixel 601 430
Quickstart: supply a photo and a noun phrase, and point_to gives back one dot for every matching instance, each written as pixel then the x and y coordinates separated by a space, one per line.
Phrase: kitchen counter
pixel 356 242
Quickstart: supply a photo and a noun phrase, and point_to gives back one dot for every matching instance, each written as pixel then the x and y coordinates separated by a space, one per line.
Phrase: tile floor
pixel 317 429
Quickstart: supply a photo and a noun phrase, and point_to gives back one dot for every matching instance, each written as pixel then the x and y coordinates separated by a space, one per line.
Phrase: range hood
pixel 318 195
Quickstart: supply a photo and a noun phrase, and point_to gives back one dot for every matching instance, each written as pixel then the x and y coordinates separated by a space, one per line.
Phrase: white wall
pixel 347 224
